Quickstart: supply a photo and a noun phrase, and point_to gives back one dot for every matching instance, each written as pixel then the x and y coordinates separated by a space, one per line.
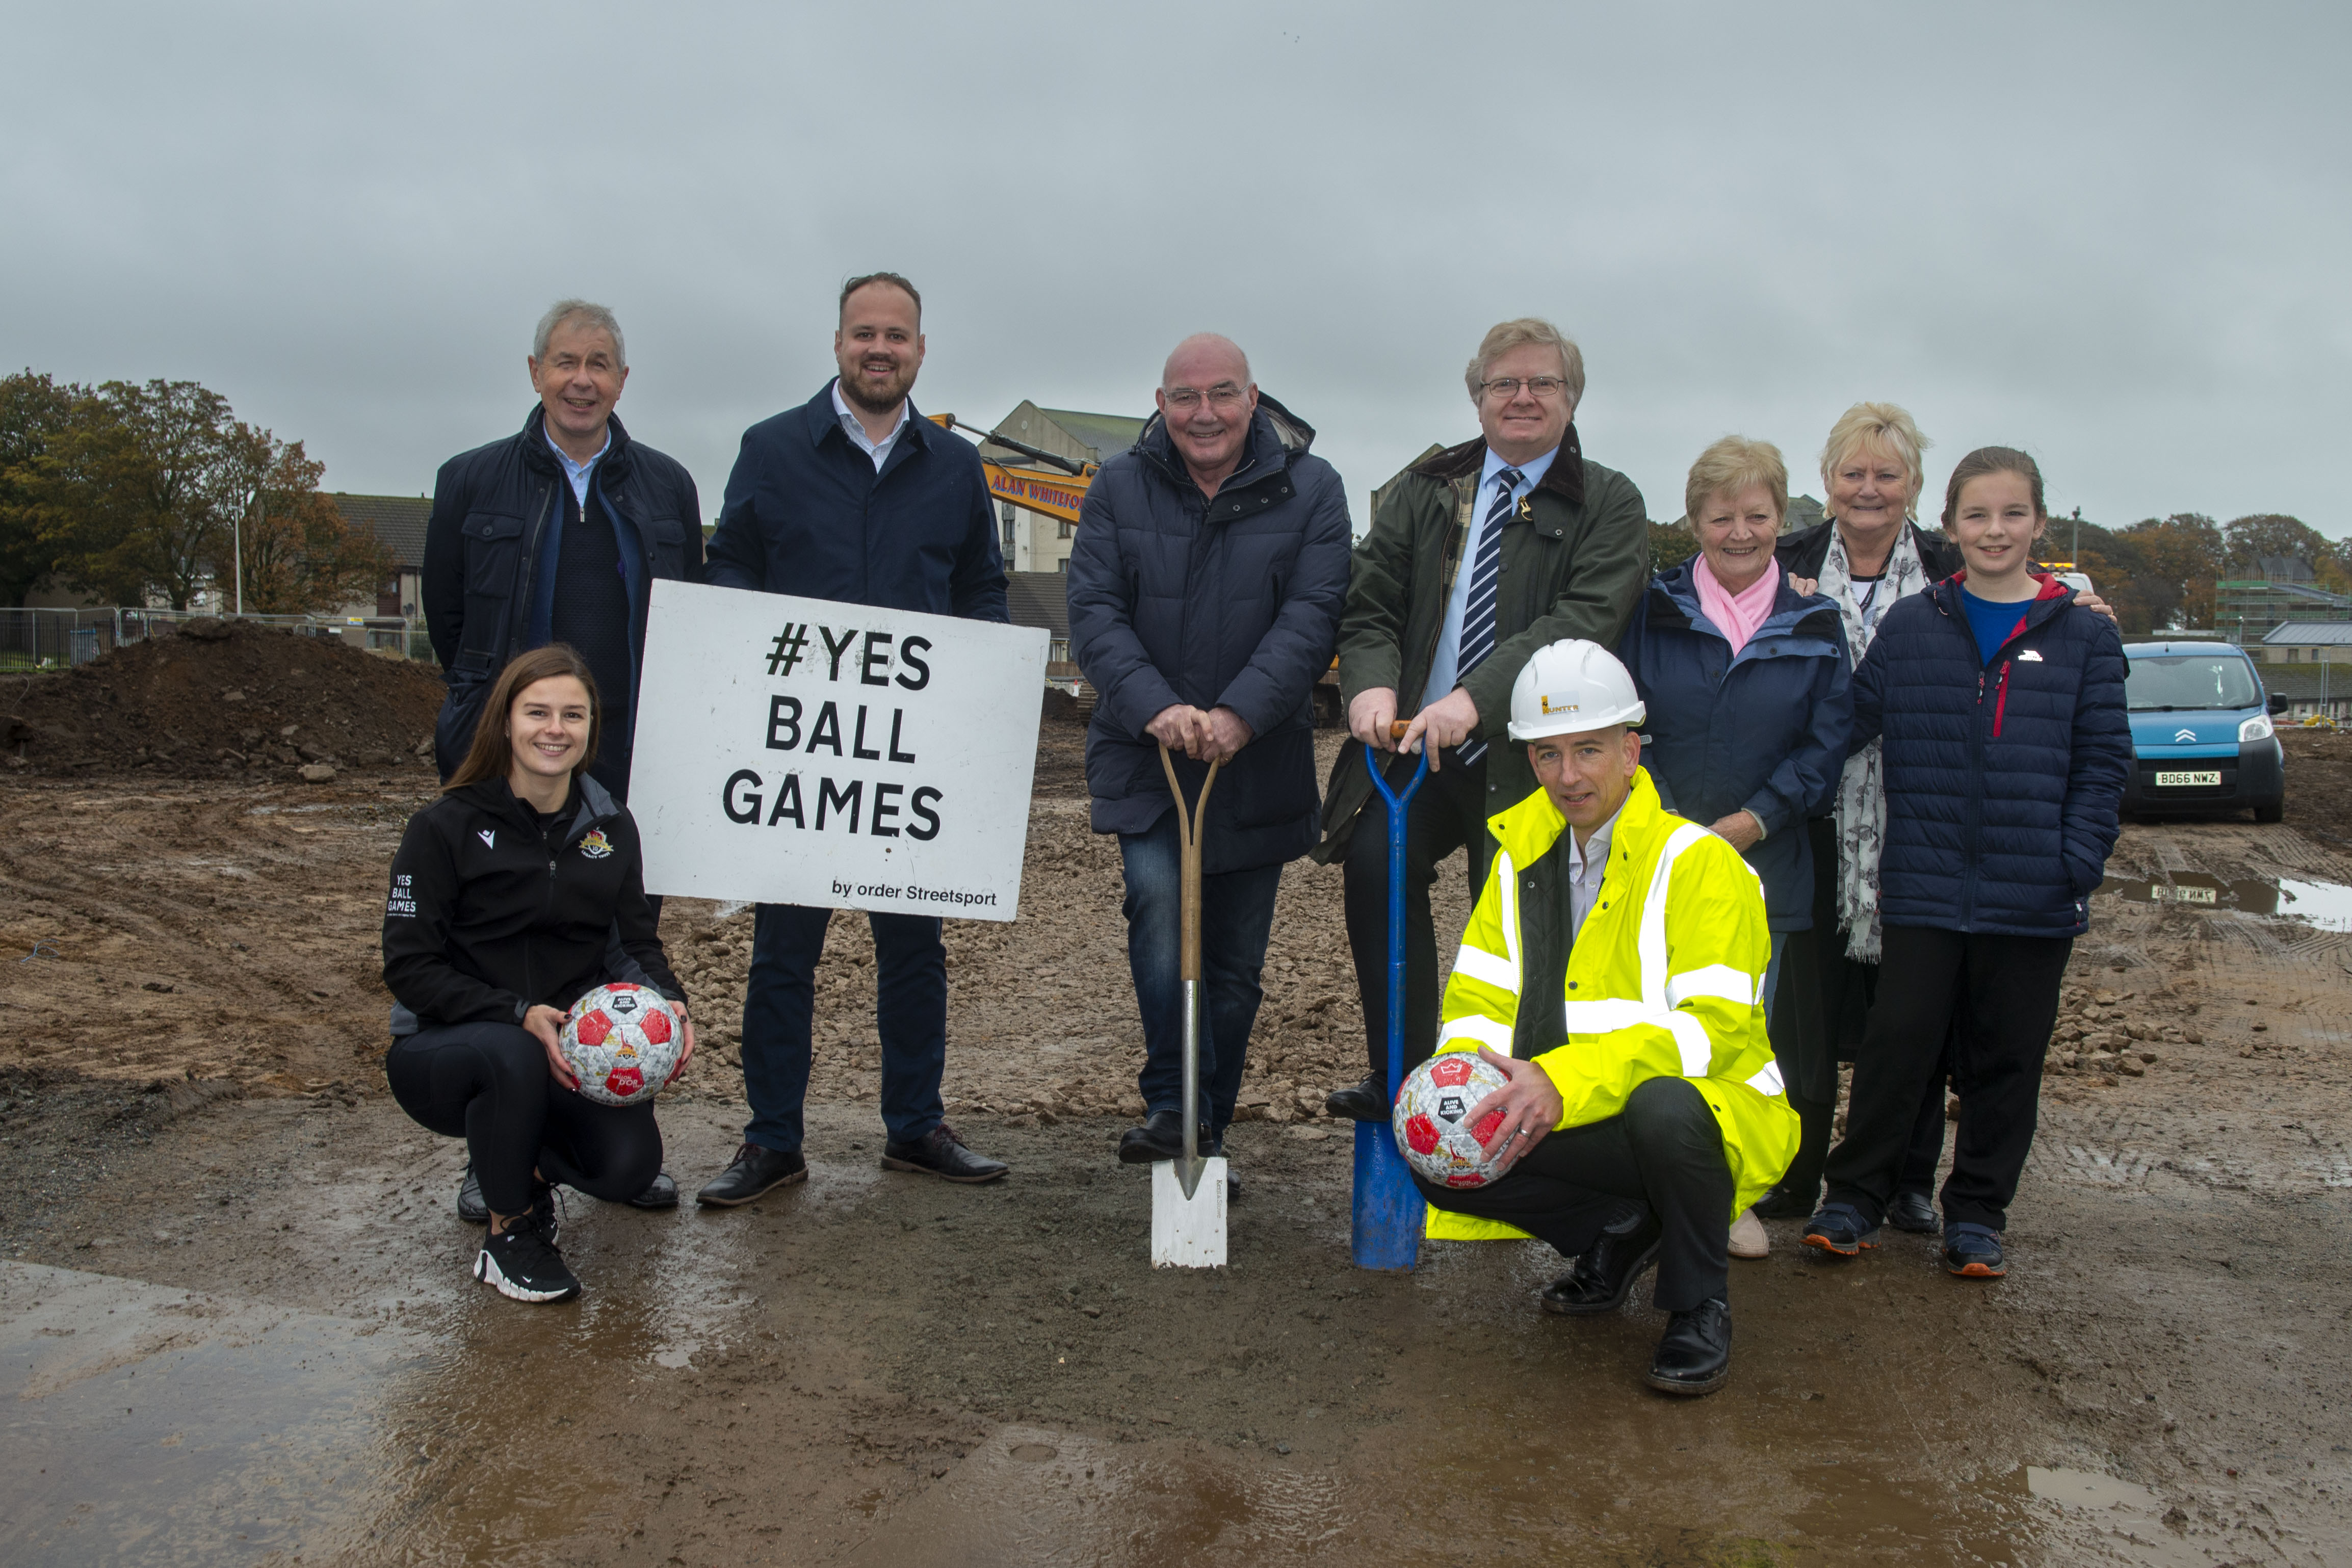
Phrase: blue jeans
pixel 910 1012
pixel 1236 913
pixel 1772 976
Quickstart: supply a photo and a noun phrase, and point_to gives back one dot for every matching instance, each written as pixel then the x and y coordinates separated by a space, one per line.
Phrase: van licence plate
pixel 2166 781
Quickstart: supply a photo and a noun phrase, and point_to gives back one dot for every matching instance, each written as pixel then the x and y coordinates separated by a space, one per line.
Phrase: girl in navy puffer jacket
pixel 2001 706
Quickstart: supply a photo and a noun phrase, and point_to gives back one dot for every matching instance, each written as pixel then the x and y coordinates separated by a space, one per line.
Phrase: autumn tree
pixel 299 554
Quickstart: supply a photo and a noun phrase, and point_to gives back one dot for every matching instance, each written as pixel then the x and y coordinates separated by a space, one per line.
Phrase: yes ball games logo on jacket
pixel 622 1042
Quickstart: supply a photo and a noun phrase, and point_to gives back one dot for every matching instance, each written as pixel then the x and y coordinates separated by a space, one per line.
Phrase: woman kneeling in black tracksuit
pixel 514 894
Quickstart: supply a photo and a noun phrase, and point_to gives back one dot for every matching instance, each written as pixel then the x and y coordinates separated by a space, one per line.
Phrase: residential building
pixel 2247 609
pixel 2305 642
pixel 1035 541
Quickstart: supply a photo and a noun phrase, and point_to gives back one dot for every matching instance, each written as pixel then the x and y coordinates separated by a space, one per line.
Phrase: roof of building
pixel 2306 681
pixel 1107 434
pixel 2310 633
pixel 397 520
pixel 1039 599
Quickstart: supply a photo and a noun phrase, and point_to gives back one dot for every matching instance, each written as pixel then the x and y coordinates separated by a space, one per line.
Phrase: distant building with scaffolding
pixel 2246 610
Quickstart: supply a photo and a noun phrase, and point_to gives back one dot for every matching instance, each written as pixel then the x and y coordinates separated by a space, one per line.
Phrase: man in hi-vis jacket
pixel 1611 971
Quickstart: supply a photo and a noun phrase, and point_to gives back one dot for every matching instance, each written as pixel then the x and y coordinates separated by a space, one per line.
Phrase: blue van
pixel 2201 732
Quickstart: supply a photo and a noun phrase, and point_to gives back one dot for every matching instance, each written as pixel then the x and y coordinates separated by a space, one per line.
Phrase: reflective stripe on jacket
pixel 1664 979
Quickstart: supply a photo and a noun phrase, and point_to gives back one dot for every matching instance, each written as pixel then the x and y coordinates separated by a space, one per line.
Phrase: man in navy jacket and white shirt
pixel 854 497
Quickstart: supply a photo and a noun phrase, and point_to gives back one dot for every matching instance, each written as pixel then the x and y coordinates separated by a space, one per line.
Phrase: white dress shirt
pixel 578 472
pixel 1443 668
pixel 1587 863
pixel 877 450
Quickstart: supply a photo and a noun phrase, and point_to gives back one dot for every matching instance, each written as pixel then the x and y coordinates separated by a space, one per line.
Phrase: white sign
pixel 808 752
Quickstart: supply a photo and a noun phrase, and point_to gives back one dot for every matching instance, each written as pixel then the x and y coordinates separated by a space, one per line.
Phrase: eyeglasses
pixel 1541 386
pixel 1223 397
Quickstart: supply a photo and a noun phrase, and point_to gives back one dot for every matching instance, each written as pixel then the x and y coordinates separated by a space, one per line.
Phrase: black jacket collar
pixel 591 802
pixel 1564 479
pixel 537 455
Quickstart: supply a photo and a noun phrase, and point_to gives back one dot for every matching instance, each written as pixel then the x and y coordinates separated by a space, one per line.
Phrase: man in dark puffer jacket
pixel 1205 588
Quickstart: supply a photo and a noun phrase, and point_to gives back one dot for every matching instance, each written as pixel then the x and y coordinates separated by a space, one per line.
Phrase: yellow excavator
pixel 1058 499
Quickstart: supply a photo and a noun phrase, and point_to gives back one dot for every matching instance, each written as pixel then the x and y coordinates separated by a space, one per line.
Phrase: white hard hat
pixel 1571 686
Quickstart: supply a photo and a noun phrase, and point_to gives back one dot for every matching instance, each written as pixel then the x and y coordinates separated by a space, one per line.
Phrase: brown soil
pixel 880 1368
pixel 221 699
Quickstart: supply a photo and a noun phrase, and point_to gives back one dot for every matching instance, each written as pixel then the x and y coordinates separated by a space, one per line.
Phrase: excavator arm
pixel 1057 498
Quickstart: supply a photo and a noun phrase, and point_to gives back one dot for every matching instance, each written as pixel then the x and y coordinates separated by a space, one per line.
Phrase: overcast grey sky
pixel 2115 234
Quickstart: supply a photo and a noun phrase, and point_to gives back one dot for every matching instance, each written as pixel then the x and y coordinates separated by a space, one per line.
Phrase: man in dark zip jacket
pixel 855 497
pixel 555 534
pixel 1204 593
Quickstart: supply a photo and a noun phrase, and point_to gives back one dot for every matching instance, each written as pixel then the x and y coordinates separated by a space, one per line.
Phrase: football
pixel 1431 1119
pixel 622 1042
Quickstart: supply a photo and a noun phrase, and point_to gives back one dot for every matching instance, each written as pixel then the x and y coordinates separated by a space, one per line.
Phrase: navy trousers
pixel 1236 915
pixel 911 1010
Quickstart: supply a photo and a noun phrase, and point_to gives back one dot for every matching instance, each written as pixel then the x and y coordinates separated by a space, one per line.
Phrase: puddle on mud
pixel 2326 905
pixel 151 1425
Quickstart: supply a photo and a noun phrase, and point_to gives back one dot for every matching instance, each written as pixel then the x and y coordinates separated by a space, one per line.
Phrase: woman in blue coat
pixel 1746 682
pixel 1999 700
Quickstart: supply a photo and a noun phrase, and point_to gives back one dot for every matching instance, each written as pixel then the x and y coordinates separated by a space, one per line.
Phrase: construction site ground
pixel 239 1326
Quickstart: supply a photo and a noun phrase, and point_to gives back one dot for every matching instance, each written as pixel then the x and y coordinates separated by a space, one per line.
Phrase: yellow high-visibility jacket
pixel 1665 979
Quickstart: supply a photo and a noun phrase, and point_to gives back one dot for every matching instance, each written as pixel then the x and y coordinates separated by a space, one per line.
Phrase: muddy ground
pixel 238 1325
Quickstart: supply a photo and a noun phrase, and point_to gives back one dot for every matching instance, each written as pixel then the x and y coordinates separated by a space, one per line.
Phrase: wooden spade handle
pixel 1189 825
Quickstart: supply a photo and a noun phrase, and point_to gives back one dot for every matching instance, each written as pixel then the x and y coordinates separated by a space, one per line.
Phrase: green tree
pixel 1671 544
pixel 167 481
pixel 37 425
pixel 2250 539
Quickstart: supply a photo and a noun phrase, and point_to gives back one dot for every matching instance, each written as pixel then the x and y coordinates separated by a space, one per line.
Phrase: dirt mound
pixel 222 698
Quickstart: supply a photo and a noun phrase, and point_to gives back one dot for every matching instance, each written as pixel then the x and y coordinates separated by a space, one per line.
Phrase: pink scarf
pixel 1737 615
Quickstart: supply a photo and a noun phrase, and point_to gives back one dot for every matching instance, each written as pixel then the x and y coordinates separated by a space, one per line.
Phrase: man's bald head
pixel 1204 360
pixel 1207 400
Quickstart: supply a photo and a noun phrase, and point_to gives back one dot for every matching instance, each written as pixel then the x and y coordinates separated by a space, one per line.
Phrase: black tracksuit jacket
pixel 488 917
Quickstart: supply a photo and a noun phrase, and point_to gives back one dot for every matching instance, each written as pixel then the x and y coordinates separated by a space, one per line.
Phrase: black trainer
pixel 522 1263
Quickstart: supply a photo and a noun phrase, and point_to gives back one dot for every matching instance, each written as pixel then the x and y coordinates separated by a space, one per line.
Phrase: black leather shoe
pixel 1605 1274
pixel 755 1172
pixel 1914 1212
pixel 1789 1200
pixel 470 1206
pixel 942 1153
pixel 1162 1137
pixel 1365 1101
pixel 661 1193
pixel 1695 1357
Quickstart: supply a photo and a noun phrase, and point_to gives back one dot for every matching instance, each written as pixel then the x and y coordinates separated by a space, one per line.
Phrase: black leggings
pixel 1980 1008
pixel 488 1084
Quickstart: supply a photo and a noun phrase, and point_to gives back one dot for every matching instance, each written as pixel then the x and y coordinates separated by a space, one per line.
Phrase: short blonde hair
pixel 1729 467
pixel 1883 430
pixel 1505 336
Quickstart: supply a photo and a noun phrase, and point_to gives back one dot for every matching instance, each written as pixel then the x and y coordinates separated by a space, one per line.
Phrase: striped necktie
pixel 1478 613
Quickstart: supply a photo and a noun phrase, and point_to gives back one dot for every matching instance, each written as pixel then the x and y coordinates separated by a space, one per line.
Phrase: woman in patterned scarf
pixel 1868 553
